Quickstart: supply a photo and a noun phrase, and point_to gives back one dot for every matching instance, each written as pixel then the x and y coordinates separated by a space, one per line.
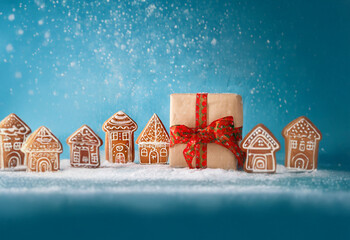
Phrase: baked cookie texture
pixel 301 142
pixel 13 132
pixel 42 151
pixel 119 139
pixel 84 146
pixel 154 142
pixel 260 145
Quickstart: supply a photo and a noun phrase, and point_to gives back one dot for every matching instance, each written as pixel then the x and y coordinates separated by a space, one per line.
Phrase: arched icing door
pixel 44 165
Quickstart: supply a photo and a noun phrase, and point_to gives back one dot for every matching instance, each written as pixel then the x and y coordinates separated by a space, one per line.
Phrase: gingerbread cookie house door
pixel 153 156
pixel 301 161
pixel 84 155
pixel 120 153
pixel 44 165
pixel 14 160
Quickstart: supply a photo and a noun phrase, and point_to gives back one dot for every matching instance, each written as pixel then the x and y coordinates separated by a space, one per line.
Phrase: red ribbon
pixel 220 131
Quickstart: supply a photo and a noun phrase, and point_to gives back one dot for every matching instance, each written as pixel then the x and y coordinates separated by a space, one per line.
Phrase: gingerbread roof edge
pixel 93 139
pixel 29 145
pixel 293 128
pixel 156 119
pixel 12 124
pixel 119 121
pixel 249 139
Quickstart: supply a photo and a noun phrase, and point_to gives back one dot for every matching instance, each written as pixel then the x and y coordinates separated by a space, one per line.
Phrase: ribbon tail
pixel 189 154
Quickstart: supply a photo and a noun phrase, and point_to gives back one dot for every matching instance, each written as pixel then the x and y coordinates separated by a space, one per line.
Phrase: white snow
pixel 20 31
pixel 18 75
pixel 213 42
pixel 150 9
pixel 162 179
pixel 11 17
pixel 9 47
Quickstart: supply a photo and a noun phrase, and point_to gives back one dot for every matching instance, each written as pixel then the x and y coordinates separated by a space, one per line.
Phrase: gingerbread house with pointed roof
pixel 84 148
pixel 260 145
pixel 119 140
pixel 42 151
pixel 13 132
pixel 154 142
pixel 302 141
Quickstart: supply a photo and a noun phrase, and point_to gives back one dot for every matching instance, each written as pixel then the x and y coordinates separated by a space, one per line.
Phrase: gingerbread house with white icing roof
pixel 84 148
pixel 260 145
pixel 119 141
pixel 301 141
pixel 13 132
pixel 153 142
pixel 42 151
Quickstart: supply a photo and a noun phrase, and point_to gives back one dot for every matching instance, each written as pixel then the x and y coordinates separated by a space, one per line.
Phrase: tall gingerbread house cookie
pixel 302 141
pixel 153 142
pixel 13 132
pixel 119 141
pixel 42 151
pixel 260 145
pixel 84 148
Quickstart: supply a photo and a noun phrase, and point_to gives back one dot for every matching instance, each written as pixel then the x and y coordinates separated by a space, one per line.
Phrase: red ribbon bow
pixel 220 131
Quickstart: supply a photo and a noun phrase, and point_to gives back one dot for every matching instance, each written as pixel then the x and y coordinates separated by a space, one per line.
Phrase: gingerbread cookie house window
pixel 143 152
pixel 7 147
pixel 310 145
pixel 76 157
pixel 163 152
pixel 119 142
pixel 13 132
pixel 114 136
pixel 17 146
pixel 153 142
pixel 125 136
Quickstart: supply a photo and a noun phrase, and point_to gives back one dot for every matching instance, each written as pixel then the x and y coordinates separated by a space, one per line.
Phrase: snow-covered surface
pixel 125 201
pixel 136 178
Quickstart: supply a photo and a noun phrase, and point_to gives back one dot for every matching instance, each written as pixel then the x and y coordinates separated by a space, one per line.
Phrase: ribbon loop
pixel 220 131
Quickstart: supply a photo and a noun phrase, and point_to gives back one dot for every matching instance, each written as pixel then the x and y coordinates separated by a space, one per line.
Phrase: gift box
pixel 205 130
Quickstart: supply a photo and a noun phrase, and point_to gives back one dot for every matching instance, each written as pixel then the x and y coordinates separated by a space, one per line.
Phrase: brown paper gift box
pixel 182 112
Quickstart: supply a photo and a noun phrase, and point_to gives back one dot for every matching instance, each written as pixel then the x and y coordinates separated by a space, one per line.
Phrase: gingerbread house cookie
pixel 260 145
pixel 13 132
pixel 302 140
pixel 153 142
pixel 42 151
pixel 119 139
pixel 84 148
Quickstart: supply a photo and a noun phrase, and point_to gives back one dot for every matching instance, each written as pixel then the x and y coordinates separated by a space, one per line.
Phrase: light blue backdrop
pixel 65 64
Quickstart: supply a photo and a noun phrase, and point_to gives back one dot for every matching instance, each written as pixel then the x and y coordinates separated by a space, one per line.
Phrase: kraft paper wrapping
pixel 183 110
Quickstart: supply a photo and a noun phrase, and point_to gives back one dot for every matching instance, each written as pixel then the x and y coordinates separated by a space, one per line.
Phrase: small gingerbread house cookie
pixel 302 140
pixel 260 145
pixel 42 151
pixel 84 148
pixel 13 132
pixel 153 142
pixel 119 141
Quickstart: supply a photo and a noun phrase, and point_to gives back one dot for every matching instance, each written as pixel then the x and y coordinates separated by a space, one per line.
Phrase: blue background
pixel 64 64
